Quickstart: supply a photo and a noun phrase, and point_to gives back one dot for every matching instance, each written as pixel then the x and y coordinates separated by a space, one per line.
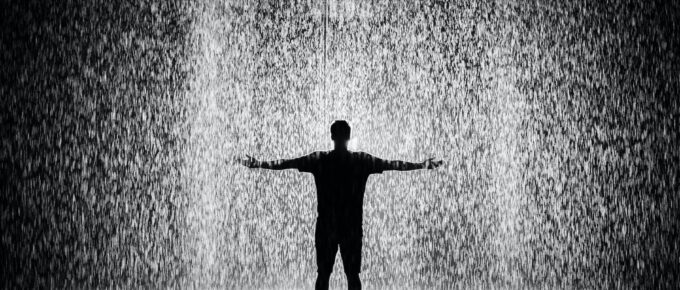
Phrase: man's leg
pixel 326 248
pixel 322 280
pixel 350 250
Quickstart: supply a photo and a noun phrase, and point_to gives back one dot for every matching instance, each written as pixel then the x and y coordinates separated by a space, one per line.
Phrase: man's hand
pixel 431 163
pixel 249 161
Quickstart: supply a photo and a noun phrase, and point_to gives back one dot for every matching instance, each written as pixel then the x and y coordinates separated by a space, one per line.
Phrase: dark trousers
pixel 327 241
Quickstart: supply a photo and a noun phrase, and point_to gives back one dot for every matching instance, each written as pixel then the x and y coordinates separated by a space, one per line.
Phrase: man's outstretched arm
pixel 405 166
pixel 280 164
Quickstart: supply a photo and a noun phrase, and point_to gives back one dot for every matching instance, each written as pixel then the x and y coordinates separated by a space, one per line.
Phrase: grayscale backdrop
pixel 557 121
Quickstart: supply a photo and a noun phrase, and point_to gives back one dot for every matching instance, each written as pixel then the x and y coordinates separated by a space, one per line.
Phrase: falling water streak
pixel 205 153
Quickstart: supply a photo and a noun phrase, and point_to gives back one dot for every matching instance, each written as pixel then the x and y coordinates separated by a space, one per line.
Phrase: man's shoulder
pixel 318 154
pixel 361 155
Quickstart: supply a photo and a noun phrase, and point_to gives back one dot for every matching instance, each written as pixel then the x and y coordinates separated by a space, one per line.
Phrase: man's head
pixel 340 132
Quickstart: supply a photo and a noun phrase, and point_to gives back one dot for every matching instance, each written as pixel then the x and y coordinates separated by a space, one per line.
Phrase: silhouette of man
pixel 340 176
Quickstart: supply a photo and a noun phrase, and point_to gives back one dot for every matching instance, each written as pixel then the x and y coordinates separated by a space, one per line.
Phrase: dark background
pixel 558 122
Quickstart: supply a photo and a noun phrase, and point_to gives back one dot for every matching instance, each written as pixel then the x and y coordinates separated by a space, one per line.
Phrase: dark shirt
pixel 340 178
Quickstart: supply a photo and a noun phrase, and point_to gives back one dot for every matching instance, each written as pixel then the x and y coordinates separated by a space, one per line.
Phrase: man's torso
pixel 340 178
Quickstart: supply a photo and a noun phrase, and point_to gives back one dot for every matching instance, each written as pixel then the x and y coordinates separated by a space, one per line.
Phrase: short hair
pixel 340 130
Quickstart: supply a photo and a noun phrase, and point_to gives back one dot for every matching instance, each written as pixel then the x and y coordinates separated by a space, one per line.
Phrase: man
pixel 340 176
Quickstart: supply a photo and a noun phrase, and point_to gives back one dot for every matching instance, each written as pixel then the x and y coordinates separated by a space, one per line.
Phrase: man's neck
pixel 340 149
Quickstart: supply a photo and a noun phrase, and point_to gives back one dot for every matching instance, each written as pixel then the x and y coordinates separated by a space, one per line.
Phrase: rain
pixel 557 123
